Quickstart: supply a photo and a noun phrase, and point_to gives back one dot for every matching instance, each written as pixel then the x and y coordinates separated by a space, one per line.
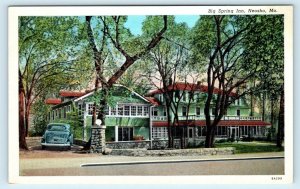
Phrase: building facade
pixel 189 100
pixel 133 118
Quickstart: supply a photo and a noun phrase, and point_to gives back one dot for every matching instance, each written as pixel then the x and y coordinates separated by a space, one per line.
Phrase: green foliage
pixel 75 121
pixel 40 118
pixel 250 147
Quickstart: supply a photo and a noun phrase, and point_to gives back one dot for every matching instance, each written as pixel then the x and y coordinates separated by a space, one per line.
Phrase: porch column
pixel 116 133
pixel 85 113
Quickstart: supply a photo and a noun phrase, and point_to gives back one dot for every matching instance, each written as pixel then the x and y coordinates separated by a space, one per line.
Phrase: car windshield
pixel 56 128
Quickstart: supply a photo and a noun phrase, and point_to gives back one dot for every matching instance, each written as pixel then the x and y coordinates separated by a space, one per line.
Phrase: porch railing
pixel 202 117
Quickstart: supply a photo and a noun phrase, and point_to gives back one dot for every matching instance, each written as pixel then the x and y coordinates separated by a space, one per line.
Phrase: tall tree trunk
pixel 272 117
pixel 27 114
pixel 170 133
pixel 264 106
pixel 22 130
pixel 103 103
pixel 280 132
pixel 210 136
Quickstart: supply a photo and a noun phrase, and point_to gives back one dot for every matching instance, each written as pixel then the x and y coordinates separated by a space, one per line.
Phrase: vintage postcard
pixel 180 94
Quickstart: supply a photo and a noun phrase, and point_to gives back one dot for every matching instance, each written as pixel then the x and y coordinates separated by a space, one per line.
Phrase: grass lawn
pixel 251 147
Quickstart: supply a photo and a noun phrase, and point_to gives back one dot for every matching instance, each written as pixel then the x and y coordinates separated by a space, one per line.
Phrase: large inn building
pixel 135 119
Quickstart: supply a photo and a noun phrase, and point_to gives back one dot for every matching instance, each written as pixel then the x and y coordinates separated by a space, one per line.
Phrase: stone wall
pixel 176 152
pixel 129 144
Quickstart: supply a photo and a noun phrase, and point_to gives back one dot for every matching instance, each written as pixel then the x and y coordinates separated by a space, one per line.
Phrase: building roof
pixel 202 123
pixel 187 87
pixel 71 93
pixel 153 101
pixel 53 101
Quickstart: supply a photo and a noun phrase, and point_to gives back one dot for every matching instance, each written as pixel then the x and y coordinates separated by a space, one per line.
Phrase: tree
pixel 130 47
pixel 231 47
pixel 167 64
pixel 49 55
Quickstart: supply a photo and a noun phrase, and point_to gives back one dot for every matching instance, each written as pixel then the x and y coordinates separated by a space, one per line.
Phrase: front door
pixel 234 132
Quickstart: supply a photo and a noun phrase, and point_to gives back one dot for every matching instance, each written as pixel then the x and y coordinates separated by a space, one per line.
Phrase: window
pixel 53 115
pixel 184 96
pixel 159 132
pixel 146 111
pixel 120 110
pixel 133 110
pixel 191 96
pixel 177 94
pixel 90 109
pixel 198 111
pixel 125 133
pixel 79 109
pixel 65 112
pixel 69 108
pixel 140 111
pixel 59 113
pixel 113 111
pixel 154 111
pixel 238 112
pixel 56 112
pixel 213 111
pixel 184 113
pixel 161 97
pixel 198 97
pixel 165 111
pixel 106 110
pixel 126 110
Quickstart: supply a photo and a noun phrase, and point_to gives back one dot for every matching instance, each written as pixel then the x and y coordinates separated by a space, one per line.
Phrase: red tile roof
pixel 153 101
pixel 71 94
pixel 221 123
pixel 187 87
pixel 53 101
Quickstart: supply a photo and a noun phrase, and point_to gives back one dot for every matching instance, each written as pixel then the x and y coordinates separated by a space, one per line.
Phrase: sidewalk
pixel 122 160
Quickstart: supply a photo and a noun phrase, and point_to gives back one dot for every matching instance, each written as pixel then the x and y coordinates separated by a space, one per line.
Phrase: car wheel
pixel 43 147
pixel 69 147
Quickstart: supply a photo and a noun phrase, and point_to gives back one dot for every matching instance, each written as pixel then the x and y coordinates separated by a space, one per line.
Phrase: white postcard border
pixel 14 12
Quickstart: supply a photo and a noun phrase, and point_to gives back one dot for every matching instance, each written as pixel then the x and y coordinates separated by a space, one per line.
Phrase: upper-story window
pixel 165 111
pixel 191 96
pixel 238 112
pixel 113 111
pixel 213 111
pixel 184 96
pixel 90 109
pixel 198 111
pixel 161 97
pixel 184 111
pixel 120 110
pixel 126 110
pixel 154 111
pixel 238 102
pixel 139 111
pixel 146 111
pixel 133 110
pixel 177 94
pixel 79 109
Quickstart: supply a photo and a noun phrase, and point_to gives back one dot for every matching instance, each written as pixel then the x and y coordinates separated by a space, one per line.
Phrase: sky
pixel 135 22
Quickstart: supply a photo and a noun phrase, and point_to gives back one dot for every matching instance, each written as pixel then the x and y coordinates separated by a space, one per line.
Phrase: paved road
pixel 274 166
